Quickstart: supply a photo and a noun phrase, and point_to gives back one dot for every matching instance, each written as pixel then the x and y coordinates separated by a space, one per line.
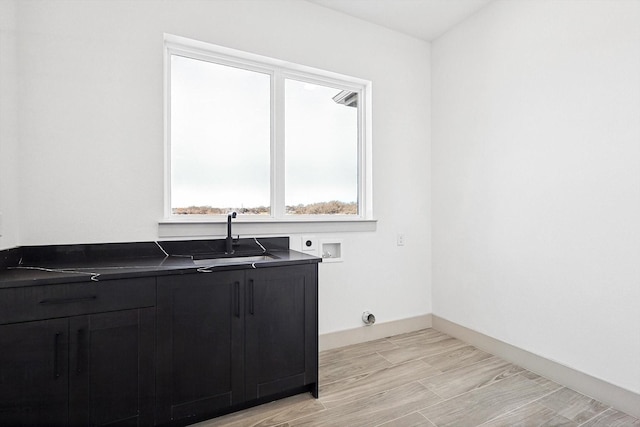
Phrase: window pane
pixel 220 138
pixel 321 149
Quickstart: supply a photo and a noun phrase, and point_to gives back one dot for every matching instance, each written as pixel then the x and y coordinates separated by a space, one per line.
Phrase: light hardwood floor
pixel 427 378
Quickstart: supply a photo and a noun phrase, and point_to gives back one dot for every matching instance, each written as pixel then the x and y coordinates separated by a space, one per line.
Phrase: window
pixel 268 139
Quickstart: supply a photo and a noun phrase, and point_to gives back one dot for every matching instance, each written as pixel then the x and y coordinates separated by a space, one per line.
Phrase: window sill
pixel 212 227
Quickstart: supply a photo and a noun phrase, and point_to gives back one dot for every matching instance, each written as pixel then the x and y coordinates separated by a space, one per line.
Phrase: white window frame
pixel 279 71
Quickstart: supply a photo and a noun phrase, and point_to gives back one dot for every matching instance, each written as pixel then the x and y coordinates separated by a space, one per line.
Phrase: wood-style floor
pixel 427 378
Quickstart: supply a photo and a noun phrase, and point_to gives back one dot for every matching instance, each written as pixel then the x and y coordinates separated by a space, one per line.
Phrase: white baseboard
pixel 610 394
pixel 373 332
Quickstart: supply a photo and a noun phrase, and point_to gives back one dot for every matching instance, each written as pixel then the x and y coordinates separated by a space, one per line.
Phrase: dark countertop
pixel 40 265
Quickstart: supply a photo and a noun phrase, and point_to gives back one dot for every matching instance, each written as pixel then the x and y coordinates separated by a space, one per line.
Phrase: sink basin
pixel 238 259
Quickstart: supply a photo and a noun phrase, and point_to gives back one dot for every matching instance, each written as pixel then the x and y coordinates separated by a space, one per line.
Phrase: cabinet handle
pixel 251 296
pixel 56 351
pixel 236 294
pixel 80 354
pixel 67 300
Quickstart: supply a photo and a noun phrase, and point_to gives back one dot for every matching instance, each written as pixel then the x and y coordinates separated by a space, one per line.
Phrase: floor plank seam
pixel 363 374
pixel 368 396
pixel 609 408
pixel 360 374
pixel 399 418
pixel 468 391
pixel 464 366
pixel 514 410
pixel 373 351
pixel 594 417
pixel 292 420
pixel 432 391
pixel 429 419
pixel 419 358
pixel 392 364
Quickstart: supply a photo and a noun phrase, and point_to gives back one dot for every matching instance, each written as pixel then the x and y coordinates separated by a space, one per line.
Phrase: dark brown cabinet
pixel 231 338
pixel 111 369
pixel 281 330
pixel 33 373
pixel 89 369
pixel 200 346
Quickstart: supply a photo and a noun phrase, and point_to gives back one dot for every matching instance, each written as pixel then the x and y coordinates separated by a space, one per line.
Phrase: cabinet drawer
pixel 50 301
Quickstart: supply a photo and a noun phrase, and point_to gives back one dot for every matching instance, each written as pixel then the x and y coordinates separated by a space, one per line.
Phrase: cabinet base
pixel 310 388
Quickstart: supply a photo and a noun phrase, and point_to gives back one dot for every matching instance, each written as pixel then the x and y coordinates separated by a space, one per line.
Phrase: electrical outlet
pixel 400 239
pixel 309 244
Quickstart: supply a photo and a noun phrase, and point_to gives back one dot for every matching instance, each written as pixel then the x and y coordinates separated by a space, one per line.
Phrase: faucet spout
pixel 229 241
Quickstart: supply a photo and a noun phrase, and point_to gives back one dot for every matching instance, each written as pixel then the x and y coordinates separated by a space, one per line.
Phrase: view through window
pixel 261 140
pixel 220 138
pixel 321 137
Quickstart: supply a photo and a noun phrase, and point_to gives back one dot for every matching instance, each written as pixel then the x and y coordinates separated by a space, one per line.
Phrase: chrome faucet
pixel 229 242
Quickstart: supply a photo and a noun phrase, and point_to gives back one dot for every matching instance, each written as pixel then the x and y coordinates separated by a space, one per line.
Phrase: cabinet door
pixel 112 369
pixel 33 373
pixel 281 330
pixel 200 344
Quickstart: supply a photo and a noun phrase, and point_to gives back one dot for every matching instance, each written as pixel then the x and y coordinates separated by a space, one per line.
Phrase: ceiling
pixel 424 19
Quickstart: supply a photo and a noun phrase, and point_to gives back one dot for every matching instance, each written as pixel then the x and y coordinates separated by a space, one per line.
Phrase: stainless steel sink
pixel 240 259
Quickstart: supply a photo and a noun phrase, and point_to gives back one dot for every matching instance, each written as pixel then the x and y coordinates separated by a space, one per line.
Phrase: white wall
pixel 8 126
pixel 91 129
pixel 536 180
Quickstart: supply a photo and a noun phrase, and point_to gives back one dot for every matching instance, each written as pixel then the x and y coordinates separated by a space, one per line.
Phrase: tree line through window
pixel 333 207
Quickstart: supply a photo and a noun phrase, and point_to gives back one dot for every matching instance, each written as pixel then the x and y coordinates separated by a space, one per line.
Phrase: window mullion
pixel 278 146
